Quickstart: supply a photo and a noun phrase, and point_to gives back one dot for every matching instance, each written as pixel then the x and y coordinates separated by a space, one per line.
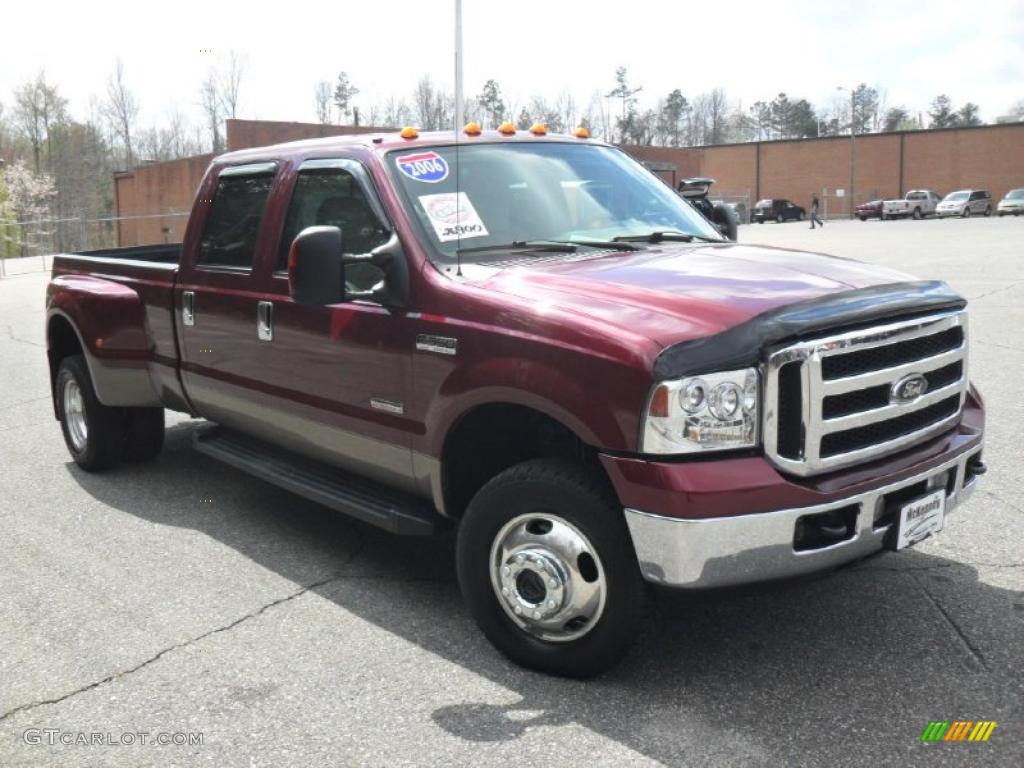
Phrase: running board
pixel 355 496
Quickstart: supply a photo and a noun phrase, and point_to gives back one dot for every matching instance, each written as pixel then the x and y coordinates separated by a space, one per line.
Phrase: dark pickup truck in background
pixel 531 339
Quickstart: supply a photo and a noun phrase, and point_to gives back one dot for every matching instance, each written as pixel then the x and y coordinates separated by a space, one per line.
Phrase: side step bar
pixel 358 497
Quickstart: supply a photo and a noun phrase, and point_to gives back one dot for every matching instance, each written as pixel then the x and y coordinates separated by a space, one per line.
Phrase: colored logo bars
pixel 958 730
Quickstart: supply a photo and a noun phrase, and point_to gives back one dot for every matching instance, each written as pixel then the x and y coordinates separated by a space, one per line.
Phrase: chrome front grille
pixel 834 401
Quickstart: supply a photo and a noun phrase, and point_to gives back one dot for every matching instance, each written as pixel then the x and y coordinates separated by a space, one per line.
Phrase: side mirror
pixel 316 267
pixel 724 217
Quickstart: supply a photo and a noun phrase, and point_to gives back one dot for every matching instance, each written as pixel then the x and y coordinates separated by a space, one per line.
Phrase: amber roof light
pixel 472 129
pixel 539 129
pixel 409 133
pixel 581 133
pixel 506 129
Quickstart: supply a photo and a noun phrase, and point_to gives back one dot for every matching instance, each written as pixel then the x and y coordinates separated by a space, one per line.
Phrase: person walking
pixel 814 211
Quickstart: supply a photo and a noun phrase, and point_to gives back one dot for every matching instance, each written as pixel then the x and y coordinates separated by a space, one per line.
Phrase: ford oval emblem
pixel 908 389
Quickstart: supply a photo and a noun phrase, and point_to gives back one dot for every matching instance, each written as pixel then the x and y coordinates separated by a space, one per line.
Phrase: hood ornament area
pixel 908 389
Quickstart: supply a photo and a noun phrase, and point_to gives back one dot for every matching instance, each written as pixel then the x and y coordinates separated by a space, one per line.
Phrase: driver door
pixel 337 376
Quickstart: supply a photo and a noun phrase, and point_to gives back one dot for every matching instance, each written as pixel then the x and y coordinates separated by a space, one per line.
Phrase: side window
pixel 333 197
pixel 229 235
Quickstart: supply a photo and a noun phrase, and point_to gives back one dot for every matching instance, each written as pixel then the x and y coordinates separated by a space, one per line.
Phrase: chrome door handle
pixel 265 321
pixel 188 308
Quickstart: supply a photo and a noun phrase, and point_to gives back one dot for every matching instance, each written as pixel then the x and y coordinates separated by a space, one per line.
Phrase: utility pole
pixel 853 145
pixel 459 104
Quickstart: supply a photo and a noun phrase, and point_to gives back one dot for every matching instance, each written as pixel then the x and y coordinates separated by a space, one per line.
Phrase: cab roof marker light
pixel 581 133
pixel 409 132
pixel 539 129
pixel 472 129
pixel 507 129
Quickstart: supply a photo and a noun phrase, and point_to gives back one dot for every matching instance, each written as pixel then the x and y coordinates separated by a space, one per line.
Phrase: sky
pixel 912 50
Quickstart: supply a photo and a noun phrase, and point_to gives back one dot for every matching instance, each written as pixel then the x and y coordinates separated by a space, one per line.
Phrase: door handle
pixel 265 321
pixel 188 308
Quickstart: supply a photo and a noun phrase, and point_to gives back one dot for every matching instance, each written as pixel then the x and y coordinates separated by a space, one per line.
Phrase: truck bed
pixel 169 253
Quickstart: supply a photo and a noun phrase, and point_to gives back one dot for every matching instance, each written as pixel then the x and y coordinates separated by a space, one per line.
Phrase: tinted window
pixel 229 236
pixel 332 197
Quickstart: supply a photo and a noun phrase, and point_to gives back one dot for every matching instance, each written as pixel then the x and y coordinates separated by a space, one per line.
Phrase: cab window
pixel 332 196
pixel 233 223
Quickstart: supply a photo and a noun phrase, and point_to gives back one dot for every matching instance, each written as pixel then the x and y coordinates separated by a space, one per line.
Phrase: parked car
pixel 917 204
pixel 965 202
pixel 870 210
pixel 778 209
pixel 576 371
pixel 1012 202
pixel 739 208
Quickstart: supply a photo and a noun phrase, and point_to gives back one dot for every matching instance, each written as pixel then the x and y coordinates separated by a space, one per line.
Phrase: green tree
pixel 864 103
pixel 941 112
pixel 344 92
pixel 968 114
pixel 627 95
pixel 671 119
pixel 492 104
pixel 895 119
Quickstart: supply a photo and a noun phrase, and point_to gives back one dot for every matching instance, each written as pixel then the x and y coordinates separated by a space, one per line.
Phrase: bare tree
pixel 230 84
pixel 322 97
pixel 121 110
pixel 396 113
pixel 209 101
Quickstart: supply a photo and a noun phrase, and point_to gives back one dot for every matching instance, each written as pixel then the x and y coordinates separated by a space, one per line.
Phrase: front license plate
pixel 920 518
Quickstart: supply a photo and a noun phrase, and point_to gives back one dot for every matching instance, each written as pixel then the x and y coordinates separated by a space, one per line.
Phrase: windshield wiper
pixel 617 244
pixel 659 237
pixel 528 246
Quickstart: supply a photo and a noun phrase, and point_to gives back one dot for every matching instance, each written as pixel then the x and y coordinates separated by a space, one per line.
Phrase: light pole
pixel 853 145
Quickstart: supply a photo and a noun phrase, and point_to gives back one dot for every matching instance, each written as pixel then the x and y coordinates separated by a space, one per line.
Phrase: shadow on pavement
pixel 853 663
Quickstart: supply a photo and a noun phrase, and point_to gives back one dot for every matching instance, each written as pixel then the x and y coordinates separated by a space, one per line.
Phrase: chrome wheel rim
pixel 548 577
pixel 74 414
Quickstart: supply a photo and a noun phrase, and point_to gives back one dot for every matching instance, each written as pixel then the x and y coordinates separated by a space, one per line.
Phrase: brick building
pixel 887 165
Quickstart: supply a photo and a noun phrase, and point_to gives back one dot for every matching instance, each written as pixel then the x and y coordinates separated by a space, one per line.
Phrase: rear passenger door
pixel 218 294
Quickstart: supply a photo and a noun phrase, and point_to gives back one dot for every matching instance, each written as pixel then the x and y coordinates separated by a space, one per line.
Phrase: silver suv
pixel 965 202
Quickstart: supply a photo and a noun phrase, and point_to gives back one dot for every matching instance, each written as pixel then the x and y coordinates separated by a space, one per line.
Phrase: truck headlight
pixel 714 412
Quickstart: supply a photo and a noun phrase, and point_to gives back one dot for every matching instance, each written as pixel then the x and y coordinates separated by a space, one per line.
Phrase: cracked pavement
pixel 288 635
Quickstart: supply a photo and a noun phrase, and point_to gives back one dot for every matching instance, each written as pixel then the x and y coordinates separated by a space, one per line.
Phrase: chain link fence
pixel 28 246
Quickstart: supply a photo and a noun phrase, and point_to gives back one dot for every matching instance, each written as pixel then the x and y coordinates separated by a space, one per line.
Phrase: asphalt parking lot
pixel 186 597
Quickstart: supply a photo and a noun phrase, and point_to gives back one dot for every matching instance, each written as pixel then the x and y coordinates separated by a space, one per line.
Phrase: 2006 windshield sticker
pixel 452 216
pixel 424 166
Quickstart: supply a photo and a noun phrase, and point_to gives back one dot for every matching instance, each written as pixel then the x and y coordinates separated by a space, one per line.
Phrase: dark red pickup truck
pixel 532 339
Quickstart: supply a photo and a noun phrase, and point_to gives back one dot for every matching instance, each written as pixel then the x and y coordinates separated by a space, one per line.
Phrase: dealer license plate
pixel 920 518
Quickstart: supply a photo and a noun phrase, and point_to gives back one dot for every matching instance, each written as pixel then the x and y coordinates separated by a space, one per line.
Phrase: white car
pixel 965 202
pixel 917 203
pixel 1013 203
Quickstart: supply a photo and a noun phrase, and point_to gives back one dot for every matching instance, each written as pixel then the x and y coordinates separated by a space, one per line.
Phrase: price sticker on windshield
pixel 452 216
pixel 424 166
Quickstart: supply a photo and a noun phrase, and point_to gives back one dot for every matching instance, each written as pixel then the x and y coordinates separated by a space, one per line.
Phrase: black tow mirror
pixel 316 267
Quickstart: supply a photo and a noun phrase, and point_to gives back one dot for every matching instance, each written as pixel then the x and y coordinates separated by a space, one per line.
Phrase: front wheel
pixel 779 219
pixel 988 211
pixel 917 214
pixel 863 218
pixel 548 570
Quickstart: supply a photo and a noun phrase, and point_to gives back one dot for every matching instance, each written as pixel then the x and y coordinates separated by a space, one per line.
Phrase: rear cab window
pixel 231 229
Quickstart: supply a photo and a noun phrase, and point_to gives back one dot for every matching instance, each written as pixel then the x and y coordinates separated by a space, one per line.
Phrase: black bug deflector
pixel 741 346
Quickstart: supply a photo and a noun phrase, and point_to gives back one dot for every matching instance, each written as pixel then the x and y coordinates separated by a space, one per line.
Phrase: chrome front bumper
pixel 742 549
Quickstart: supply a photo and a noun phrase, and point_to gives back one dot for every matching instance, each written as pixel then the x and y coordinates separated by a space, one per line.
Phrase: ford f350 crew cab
pixel 531 339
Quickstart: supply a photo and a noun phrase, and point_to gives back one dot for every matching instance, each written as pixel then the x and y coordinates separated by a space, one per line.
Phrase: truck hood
pixel 672 293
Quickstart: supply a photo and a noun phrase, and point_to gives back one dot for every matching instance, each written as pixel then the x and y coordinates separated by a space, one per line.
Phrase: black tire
pixel 967 212
pixel 104 441
pixel 779 219
pixel 800 216
pixel 145 434
pixel 917 214
pixel 988 211
pixel 760 221
pixel 581 496
pixel 863 218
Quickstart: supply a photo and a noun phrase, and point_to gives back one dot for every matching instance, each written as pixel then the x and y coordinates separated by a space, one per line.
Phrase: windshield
pixel 763 204
pixel 528 192
pixel 1015 194
pixel 956 197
